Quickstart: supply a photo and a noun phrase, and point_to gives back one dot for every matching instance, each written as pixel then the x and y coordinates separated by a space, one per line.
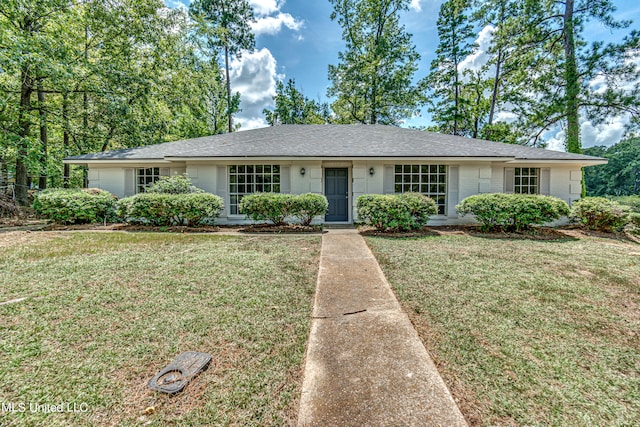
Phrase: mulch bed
pixel 253 228
pixel 537 233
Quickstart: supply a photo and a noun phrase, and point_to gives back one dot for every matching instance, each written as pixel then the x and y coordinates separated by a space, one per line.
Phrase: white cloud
pixel 265 7
pixel 556 142
pixel 480 56
pixel 254 76
pixel 591 135
pixel 273 24
pixel 415 5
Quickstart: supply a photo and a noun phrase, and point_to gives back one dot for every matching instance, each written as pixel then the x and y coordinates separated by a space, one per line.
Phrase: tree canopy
pixel 373 82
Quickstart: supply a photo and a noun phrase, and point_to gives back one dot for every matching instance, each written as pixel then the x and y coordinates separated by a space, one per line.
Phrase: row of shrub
pixel 171 201
pixel 283 208
pixel 175 201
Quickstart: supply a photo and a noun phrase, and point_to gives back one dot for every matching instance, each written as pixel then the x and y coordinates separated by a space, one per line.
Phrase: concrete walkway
pixel 365 364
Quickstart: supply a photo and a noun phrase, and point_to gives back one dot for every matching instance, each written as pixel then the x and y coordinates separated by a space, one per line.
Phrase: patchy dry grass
pixel 106 311
pixel 526 332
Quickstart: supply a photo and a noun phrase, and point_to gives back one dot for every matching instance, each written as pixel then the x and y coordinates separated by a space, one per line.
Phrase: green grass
pixel 526 332
pixel 106 311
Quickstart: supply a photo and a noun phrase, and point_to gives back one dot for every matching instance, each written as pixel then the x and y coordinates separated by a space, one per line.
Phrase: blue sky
pixel 297 39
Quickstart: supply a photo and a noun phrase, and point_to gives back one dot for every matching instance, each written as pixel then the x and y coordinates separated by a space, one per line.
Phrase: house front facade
pixel 342 162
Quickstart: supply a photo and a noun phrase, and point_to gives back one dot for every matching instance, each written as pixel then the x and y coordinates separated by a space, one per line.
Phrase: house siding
pixel 463 180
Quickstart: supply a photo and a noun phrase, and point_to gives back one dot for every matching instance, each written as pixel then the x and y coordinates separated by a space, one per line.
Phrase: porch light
pixel 372 171
pixel 302 171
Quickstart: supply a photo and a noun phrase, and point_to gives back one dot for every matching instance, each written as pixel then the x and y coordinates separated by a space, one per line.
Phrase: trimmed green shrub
pixel 634 219
pixel 407 211
pixel 633 202
pixel 512 212
pixel 305 207
pixel 598 213
pixel 75 206
pixel 274 207
pixel 170 209
pixel 177 184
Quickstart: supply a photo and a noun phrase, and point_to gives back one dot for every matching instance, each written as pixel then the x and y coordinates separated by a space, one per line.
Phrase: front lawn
pixel 526 332
pixel 106 311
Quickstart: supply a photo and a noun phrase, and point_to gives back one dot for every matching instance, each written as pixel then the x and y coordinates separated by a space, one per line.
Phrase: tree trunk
pixel 572 86
pixel 4 176
pixel 26 90
pixel 496 87
pixel 226 67
pixel 572 82
pixel 85 95
pixel 42 182
pixel 65 139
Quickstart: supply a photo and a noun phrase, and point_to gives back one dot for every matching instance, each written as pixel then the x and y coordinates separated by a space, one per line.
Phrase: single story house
pixel 342 162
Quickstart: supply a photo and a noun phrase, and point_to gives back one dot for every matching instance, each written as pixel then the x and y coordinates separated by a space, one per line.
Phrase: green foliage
pixel 177 184
pixel 99 75
pixel 632 202
pixel 274 207
pixel 277 207
pixel 445 80
pixel 305 207
pixel 512 212
pixel 225 26
pixel 75 206
pixel 293 108
pixel 170 209
pixel 598 213
pixel 373 82
pixel 407 211
pixel 621 175
pixel 556 68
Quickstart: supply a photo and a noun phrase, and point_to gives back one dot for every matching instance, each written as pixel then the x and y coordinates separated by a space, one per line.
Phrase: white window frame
pixel 145 177
pixel 526 181
pixel 428 179
pixel 246 179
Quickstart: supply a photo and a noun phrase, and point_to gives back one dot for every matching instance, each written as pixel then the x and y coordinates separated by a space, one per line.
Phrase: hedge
pixel 407 211
pixel 278 208
pixel 177 184
pixel 512 212
pixel 75 206
pixel 598 213
pixel 305 207
pixel 170 209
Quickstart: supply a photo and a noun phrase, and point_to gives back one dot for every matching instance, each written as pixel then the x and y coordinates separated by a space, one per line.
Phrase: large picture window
pixel 247 179
pixel 146 177
pixel 430 180
pixel 526 181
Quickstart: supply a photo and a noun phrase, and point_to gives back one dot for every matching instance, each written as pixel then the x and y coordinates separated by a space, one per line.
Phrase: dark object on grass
pixel 177 375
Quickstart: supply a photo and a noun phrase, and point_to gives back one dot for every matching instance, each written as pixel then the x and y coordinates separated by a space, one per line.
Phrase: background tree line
pixel 79 76
pixel 87 75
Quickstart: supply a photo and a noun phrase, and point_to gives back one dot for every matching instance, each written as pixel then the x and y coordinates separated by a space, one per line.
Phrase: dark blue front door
pixel 336 189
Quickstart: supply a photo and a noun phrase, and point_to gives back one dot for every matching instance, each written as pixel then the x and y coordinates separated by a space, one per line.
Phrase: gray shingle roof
pixel 331 141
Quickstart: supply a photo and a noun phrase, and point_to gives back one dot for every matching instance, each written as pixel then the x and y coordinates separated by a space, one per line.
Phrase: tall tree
pixel 293 108
pixel 499 14
pixel 231 30
pixel 373 82
pixel 31 55
pixel 562 68
pixel 445 79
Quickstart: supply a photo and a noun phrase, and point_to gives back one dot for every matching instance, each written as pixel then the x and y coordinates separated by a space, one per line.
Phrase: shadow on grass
pixel 539 233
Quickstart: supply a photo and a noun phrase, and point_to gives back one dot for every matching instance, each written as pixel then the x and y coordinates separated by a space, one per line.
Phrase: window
pixel 146 177
pixel 430 180
pixel 247 179
pixel 526 181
